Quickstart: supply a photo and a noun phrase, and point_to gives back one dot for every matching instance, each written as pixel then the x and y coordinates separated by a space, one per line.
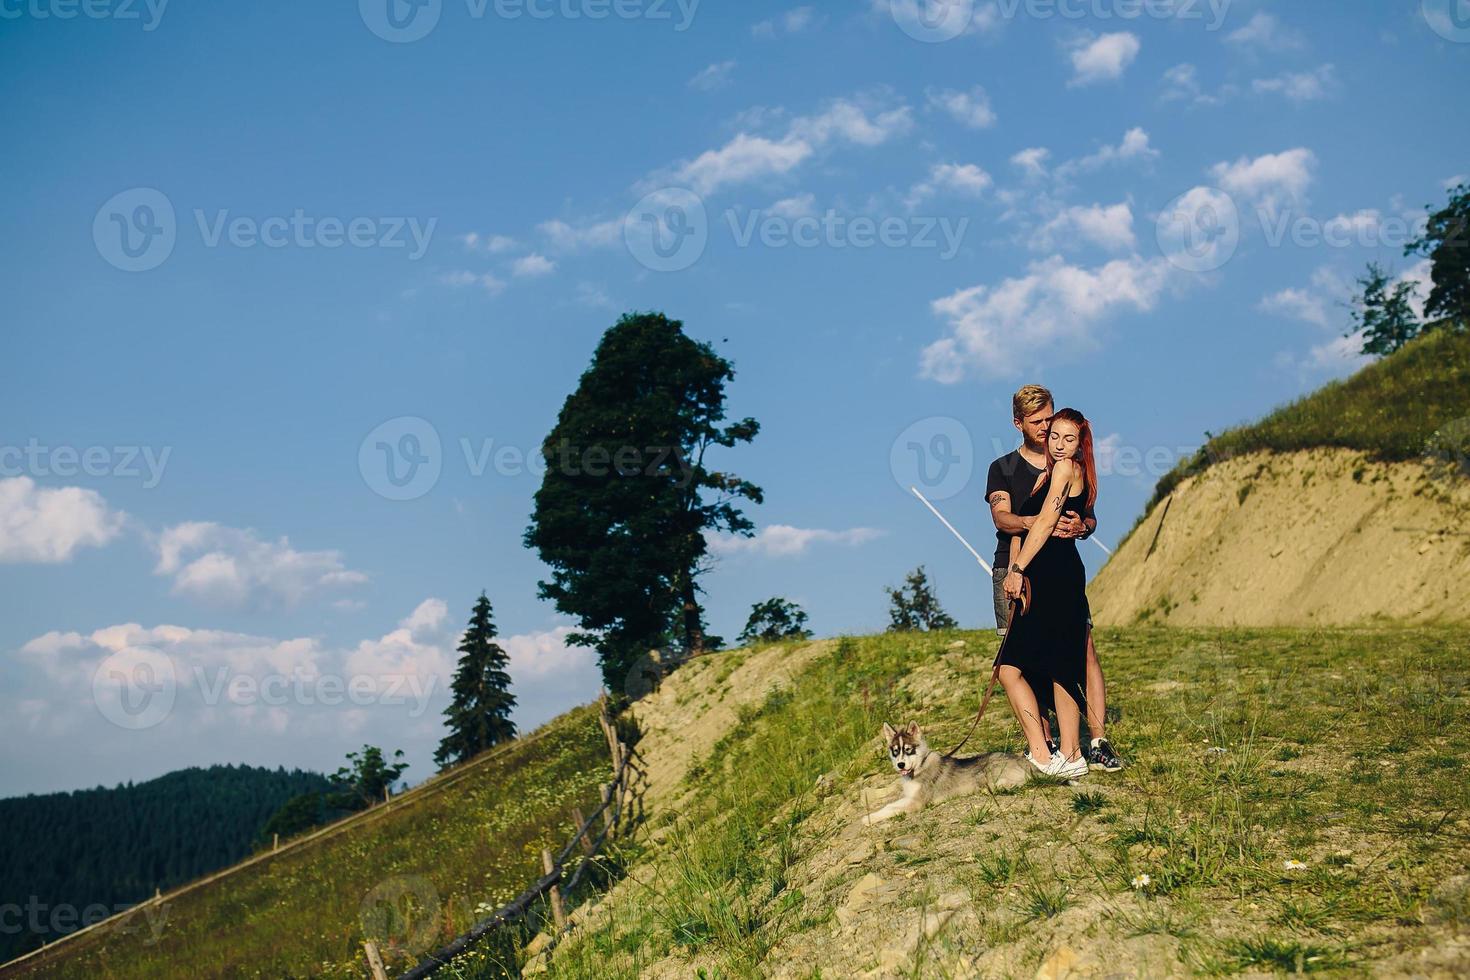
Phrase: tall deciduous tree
pixel 479 714
pixel 1383 313
pixel 775 619
pixel 1446 242
pixel 915 606
pixel 622 511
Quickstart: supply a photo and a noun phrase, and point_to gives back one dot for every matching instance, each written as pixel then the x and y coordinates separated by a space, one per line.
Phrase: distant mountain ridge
pixel 113 847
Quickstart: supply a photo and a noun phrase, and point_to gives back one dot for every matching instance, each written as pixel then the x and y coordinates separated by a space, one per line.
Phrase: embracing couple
pixel 1041 498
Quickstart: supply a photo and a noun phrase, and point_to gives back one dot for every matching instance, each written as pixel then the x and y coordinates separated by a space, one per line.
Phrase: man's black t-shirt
pixel 1016 476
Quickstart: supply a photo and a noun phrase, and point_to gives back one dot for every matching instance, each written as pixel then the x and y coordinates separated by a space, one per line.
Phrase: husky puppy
pixel 929 777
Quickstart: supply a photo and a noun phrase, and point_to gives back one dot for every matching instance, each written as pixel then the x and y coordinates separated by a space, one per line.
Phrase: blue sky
pixel 250 242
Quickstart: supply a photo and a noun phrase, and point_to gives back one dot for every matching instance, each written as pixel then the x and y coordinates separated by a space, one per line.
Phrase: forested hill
pixel 114 846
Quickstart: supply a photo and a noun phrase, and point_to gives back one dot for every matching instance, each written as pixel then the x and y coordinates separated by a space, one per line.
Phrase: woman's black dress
pixel 1049 643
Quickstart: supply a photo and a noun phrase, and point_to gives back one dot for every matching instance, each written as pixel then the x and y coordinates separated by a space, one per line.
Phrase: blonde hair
pixel 1030 400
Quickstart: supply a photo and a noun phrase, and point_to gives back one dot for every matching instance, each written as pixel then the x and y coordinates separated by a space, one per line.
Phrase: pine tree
pixel 1446 243
pixel 479 715
pixel 916 607
pixel 1383 316
pixel 628 496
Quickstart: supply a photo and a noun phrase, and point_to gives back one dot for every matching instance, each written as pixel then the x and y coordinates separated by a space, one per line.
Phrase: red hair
pixel 1084 450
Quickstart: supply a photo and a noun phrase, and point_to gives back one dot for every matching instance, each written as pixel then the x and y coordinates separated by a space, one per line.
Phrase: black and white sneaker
pixel 1100 755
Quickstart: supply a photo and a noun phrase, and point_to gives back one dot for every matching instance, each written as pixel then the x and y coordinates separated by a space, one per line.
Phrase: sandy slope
pixel 1311 538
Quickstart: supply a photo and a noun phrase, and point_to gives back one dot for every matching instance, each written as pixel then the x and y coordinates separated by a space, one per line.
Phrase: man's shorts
pixel 1003 607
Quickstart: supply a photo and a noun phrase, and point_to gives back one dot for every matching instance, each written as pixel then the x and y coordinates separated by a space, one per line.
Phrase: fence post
pixel 557 911
pixel 276 843
pixel 375 962
pixel 586 838
pixel 607 806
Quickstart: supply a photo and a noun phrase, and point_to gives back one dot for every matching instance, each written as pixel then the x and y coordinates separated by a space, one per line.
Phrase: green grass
pixel 1295 718
pixel 415 874
pixel 1397 408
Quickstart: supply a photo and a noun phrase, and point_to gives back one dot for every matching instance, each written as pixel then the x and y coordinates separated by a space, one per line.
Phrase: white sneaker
pixel 1046 769
pixel 1064 769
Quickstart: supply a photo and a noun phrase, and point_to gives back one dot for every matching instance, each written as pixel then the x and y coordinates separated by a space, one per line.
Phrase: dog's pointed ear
pixel 888 732
pixel 912 729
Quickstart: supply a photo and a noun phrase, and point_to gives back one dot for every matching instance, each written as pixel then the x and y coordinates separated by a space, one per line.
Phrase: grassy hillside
pixel 61 847
pixel 1297 802
pixel 1392 409
pixel 441 856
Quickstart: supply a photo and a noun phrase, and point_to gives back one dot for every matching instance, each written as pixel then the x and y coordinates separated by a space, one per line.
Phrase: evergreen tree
pixel 479 715
pixel 1383 313
pixel 915 607
pixel 364 781
pixel 622 511
pixel 1446 243
pixel 775 619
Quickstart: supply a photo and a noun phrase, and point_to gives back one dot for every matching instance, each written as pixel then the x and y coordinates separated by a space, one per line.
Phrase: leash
pixel 1023 605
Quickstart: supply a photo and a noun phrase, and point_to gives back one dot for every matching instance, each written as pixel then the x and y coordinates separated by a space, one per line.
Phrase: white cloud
pixel 1298 86
pixel 1419 275
pixel 461 278
pixel 593 295
pixel 1109 226
pixel 1311 304
pixel 970 108
pixel 1264 31
pixel 533 265
pixel 793 21
pixel 1032 161
pixel 565 237
pixel 1268 180
pixel 1104 58
pixel 546 655
pixel 49 525
pixel 1182 84
pixel 997 330
pixel 230 565
pixel 713 77
pixel 1134 148
pixel 744 158
pixel 785 541
pixel 747 157
pixel 474 241
pixel 798 206
pixel 960 179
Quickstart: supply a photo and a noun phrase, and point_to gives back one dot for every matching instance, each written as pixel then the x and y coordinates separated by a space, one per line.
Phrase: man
pixel 1007 487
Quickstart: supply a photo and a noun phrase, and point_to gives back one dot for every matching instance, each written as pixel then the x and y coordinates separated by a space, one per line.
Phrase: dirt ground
pixel 1325 537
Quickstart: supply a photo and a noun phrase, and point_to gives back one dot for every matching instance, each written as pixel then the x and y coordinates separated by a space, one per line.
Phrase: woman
pixel 1045 655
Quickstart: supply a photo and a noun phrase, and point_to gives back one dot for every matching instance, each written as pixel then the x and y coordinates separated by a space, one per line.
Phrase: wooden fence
pixel 621 803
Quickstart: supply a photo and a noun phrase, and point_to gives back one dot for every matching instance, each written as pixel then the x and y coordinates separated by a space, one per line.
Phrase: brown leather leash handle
pixel 1024 603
